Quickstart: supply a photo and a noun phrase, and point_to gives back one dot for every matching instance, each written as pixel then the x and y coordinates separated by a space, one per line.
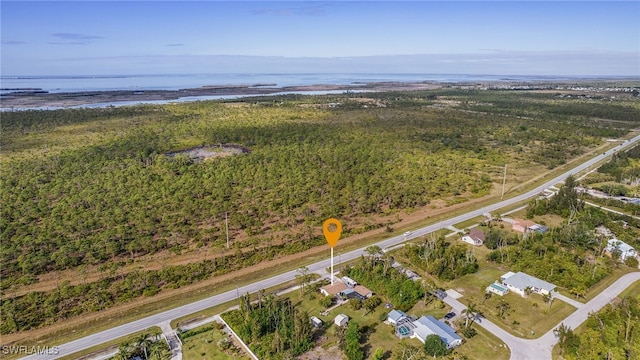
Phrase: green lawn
pixel 483 346
pixel 205 346
pixel 527 317
pixel 633 290
pixel 525 314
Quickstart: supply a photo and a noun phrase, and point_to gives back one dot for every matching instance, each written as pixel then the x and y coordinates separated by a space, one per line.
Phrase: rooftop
pixel 620 245
pixel 498 287
pixel 337 287
pixel 521 281
pixel 397 315
pixel 428 324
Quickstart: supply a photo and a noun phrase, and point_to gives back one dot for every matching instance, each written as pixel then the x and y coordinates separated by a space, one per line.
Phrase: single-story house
pixel 316 322
pixel 625 250
pixel 341 320
pixel 474 237
pixel 333 290
pixel 349 281
pixel 428 325
pixel 538 228
pixel 351 294
pixel 363 291
pixel 358 292
pixel 497 289
pixel 397 316
pixel 411 275
pixel 521 226
pixel 520 281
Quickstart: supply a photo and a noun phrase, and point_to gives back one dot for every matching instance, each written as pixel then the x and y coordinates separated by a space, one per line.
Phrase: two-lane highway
pixel 139 325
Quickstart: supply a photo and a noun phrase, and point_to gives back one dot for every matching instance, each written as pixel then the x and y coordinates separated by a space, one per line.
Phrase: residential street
pixel 540 349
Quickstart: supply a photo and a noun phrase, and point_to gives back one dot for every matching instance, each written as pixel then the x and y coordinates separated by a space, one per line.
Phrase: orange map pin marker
pixel 332 236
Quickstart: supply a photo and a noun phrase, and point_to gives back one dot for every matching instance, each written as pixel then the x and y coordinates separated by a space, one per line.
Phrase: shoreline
pixel 38 99
pixel 27 100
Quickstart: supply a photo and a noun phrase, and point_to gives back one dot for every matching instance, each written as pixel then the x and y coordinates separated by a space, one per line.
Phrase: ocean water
pixel 80 83
pixel 174 82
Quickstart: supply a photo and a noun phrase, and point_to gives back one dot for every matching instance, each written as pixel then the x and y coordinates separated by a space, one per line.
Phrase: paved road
pixel 139 325
pixel 540 348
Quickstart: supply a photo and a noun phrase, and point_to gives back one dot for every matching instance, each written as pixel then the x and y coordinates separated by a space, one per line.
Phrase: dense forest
pixel 611 333
pixel 385 280
pixel 441 258
pixel 103 187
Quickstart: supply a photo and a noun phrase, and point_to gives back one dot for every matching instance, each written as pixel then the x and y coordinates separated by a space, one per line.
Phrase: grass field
pixel 483 346
pixel 205 346
pixel 633 290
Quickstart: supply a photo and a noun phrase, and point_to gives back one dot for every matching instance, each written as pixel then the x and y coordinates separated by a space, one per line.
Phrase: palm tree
pixel 548 298
pixel 374 252
pixel 123 351
pixel 429 288
pixel 156 349
pixel 142 342
pixel 471 314
pixel 303 276
pixel 502 306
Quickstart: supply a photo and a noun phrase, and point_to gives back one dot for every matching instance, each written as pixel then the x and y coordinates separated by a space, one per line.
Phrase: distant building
pixel 521 226
pixel 316 322
pixel 341 320
pixel 359 292
pixel 497 289
pixel 333 290
pixel 474 237
pixel 625 250
pixel 349 281
pixel 538 228
pixel 519 282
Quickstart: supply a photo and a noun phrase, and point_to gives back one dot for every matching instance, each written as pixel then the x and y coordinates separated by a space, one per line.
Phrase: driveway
pixel 540 348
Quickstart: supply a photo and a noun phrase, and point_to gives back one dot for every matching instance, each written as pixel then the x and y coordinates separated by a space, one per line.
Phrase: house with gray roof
pixel 519 282
pixel 620 247
pixel 397 316
pixel 428 325
pixel 407 326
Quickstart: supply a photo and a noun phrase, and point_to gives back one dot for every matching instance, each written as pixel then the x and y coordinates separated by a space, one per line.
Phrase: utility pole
pixel 226 222
pixel 504 181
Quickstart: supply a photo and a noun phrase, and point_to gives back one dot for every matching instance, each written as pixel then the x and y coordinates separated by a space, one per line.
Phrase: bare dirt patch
pixel 203 153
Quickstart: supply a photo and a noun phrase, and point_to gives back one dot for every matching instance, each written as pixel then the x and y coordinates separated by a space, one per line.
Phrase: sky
pixel 429 37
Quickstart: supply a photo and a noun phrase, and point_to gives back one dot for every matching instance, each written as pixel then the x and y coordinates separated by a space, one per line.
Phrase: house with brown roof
pixel 333 290
pixel 474 237
pixel 522 226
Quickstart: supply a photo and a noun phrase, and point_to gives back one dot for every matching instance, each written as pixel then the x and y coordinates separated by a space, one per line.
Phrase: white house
pixel 428 325
pixel 341 320
pixel 474 237
pixel 497 289
pixel 349 281
pixel 520 281
pixel 316 322
pixel 625 250
pixel 396 317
